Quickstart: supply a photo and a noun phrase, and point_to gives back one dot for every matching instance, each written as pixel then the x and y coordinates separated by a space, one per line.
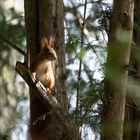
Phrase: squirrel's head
pixel 48 48
pixel 50 53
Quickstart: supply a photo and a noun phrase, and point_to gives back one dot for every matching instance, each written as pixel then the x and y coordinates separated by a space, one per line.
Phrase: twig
pixel 80 67
pixel 12 45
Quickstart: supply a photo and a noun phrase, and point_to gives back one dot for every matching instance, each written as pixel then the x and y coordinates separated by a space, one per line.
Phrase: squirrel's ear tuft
pixel 52 41
pixel 44 42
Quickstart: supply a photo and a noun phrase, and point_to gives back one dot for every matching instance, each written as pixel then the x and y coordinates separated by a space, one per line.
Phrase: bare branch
pixel 41 92
pixel 80 64
pixel 12 45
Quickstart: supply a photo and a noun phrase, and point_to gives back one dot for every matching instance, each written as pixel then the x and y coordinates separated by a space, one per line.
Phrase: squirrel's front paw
pixel 50 91
pixel 33 76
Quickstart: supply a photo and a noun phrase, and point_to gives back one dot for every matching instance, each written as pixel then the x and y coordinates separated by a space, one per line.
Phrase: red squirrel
pixel 41 68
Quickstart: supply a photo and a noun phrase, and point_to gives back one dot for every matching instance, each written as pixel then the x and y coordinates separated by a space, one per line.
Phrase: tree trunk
pixel 132 121
pixel 120 37
pixel 132 113
pixel 45 18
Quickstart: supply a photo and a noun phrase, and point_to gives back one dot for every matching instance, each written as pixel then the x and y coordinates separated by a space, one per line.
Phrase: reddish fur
pixel 41 68
pixel 46 56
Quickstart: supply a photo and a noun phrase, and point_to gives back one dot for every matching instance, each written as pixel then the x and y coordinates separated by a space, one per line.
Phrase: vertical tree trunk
pixel 120 37
pixel 132 113
pixel 45 18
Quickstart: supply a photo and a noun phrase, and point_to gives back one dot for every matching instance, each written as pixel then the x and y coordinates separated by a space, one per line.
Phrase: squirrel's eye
pixel 50 52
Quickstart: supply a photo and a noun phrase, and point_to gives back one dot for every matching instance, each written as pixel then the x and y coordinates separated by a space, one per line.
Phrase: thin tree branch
pixel 12 45
pixel 80 67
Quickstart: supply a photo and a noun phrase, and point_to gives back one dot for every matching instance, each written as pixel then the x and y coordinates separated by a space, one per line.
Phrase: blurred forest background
pixel 13 90
pixel 14 101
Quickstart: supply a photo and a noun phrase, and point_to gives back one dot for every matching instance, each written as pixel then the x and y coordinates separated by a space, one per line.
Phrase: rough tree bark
pixel 45 18
pixel 120 37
